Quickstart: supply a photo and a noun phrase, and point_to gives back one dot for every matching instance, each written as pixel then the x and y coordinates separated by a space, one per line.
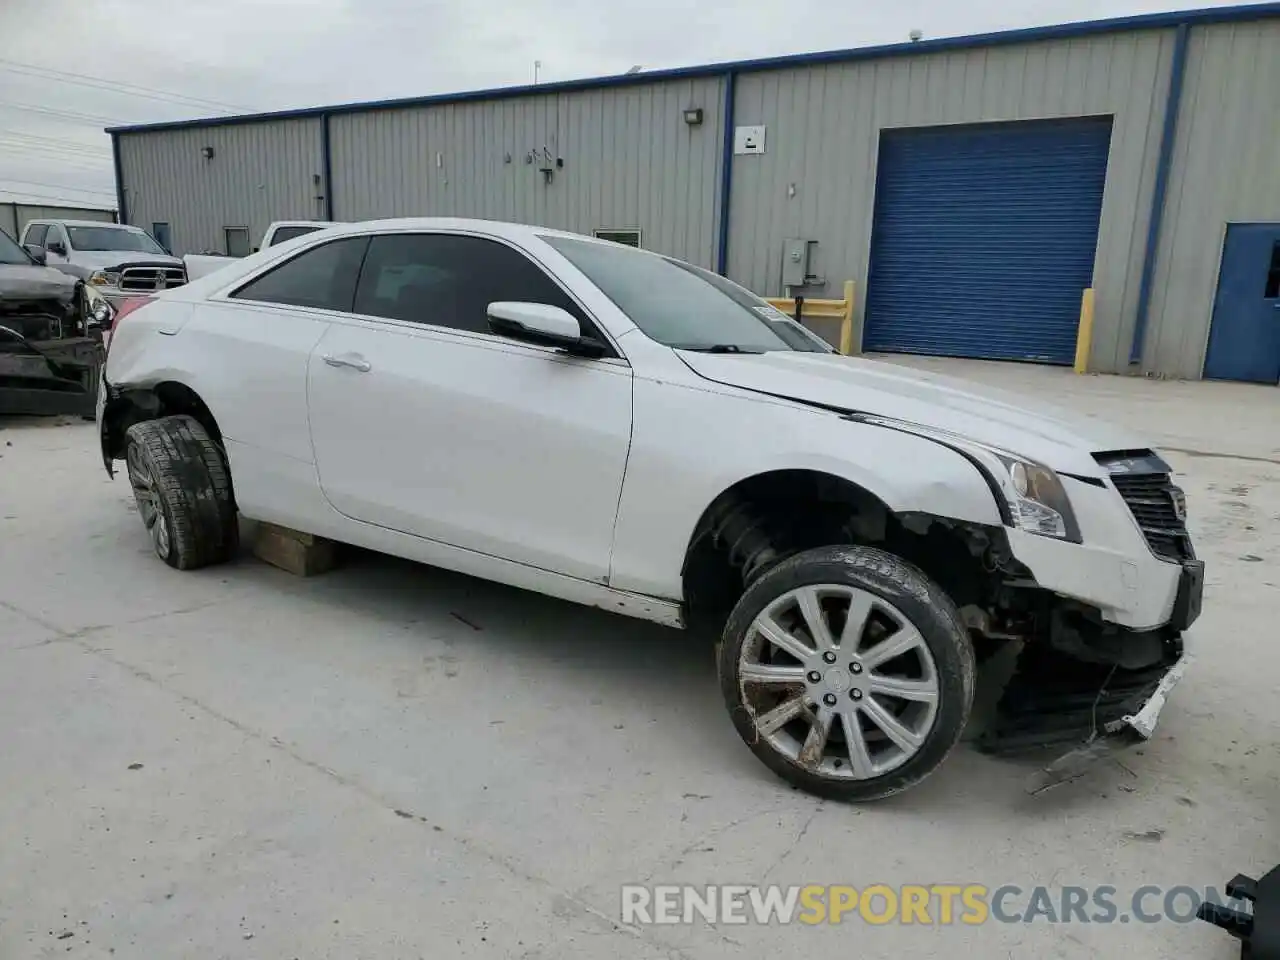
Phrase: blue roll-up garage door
pixel 984 238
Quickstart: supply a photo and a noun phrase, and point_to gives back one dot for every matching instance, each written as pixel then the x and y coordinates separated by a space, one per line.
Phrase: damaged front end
pixel 1085 686
pixel 44 378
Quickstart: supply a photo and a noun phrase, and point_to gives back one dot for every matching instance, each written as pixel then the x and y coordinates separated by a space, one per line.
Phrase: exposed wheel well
pixel 127 406
pixel 763 519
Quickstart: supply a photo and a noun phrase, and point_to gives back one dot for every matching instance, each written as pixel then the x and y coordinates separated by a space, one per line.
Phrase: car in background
pixel 119 260
pixel 51 328
pixel 201 264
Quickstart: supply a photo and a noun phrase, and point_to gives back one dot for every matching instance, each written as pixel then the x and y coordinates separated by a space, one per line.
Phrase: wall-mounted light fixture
pixel 693 116
pixel 206 152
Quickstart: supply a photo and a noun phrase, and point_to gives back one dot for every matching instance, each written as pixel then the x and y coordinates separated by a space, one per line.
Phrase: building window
pixel 236 240
pixel 160 232
pixel 629 236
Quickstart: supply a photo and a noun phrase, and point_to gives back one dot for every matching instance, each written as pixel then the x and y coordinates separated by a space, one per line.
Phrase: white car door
pixel 426 422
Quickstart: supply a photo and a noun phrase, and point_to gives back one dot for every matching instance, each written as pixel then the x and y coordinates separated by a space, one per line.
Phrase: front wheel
pixel 847 672
pixel 183 491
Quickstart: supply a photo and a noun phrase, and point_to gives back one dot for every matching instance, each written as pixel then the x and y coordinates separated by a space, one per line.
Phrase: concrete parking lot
pixel 393 761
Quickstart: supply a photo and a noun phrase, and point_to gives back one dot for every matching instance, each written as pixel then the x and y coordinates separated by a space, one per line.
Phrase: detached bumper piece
pixel 1259 930
pixel 1098 710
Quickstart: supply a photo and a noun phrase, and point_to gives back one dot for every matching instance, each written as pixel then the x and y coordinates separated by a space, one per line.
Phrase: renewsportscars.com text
pixel 931 905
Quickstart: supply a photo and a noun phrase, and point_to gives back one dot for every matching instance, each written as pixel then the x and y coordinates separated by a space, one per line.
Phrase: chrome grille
pixel 147 279
pixel 1156 503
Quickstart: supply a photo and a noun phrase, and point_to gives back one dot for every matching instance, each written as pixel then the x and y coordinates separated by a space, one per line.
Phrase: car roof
pixel 86 223
pixel 497 228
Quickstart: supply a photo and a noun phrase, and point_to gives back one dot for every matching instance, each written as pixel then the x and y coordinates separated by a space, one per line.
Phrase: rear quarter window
pixel 322 277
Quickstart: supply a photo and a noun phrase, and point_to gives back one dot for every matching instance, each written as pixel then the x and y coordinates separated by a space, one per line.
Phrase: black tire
pixel 916 597
pixel 190 489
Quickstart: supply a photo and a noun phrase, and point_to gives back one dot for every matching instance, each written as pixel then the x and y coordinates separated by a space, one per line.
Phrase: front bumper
pixel 1113 569
pixel 1112 736
pixel 1094 710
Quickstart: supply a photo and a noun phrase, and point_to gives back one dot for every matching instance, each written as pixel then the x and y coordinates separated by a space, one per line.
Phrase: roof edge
pixel 1147 21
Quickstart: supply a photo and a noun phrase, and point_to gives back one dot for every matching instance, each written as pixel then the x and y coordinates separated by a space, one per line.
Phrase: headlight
pixel 1037 501
pixel 102 278
pixel 1033 497
pixel 98 310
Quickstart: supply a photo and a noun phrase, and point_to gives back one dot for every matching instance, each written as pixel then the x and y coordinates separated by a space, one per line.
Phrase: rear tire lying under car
pixel 847 672
pixel 183 490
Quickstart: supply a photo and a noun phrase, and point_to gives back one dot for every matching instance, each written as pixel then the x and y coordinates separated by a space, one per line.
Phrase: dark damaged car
pixel 50 337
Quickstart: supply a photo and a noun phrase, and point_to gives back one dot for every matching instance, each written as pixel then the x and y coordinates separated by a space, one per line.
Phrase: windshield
pixel 684 306
pixel 11 253
pixel 111 238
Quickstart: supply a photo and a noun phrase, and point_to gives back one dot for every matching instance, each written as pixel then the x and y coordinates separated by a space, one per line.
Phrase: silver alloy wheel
pixel 147 496
pixel 839 681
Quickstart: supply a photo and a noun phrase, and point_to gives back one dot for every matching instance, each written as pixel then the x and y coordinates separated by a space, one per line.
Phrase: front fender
pixel 690 445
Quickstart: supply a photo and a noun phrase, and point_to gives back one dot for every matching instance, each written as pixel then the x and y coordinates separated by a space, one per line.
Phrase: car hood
pixel 1014 422
pixel 29 282
pixel 113 259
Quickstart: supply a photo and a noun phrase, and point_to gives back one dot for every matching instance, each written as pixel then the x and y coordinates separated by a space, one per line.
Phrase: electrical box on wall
pixel 797 263
pixel 748 139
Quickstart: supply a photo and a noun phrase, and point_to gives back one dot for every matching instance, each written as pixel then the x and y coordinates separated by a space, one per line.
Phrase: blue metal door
pixel 985 237
pixel 1244 339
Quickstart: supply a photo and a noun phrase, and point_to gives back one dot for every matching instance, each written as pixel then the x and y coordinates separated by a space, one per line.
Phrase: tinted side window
pixel 289 233
pixel 35 234
pixel 449 281
pixel 323 277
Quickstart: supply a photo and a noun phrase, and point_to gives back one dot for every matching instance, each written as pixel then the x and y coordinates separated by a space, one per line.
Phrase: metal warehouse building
pixel 973 188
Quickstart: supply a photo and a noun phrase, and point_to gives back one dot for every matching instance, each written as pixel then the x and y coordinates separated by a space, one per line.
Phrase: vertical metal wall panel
pixel 259 172
pixel 630 160
pixel 824 125
pixel 1225 168
pixel 15 216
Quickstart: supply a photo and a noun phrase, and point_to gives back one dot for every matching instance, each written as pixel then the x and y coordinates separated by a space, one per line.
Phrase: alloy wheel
pixel 147 495
pixel 839 681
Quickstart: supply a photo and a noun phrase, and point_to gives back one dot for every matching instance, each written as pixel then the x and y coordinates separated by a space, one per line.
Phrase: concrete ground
pixel 392 761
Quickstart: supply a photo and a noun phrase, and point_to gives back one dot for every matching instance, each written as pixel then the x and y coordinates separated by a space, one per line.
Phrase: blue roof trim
pixel 1149 21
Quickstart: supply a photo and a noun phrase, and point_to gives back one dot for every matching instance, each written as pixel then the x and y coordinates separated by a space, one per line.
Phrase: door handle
pixel 352 360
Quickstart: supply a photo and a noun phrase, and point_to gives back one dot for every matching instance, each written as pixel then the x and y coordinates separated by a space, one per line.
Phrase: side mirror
pixel 37 253
pixel 544 324
pixel 57 247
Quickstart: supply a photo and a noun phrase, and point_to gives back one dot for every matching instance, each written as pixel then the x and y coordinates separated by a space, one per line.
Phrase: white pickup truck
pixel 202 264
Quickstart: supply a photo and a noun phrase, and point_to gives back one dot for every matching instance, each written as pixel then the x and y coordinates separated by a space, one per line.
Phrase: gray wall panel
pixel 259 173
pixel 1226 168
pixel 15 216
pixel 629 161
pixel 823 136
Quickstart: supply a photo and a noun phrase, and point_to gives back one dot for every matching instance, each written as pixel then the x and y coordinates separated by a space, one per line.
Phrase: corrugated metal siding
pixel 984 238
pixel 15 216
pixel 823 136
pixel 1226 167
pixel 630 160
pixel 258 173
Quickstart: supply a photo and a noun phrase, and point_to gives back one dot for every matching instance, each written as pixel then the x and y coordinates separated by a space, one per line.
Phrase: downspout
pixel 726 174
pixel 1173 103
pixel 122 212
pixel 326 167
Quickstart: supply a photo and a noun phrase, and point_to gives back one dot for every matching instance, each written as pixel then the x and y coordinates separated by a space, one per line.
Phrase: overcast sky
pixel 70 67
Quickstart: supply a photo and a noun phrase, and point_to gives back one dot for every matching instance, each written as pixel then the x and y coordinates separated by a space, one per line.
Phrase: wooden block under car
pixel 302 554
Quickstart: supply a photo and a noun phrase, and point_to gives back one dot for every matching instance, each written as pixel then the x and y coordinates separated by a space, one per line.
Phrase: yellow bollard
pixel 846 322
pixel 1084 335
